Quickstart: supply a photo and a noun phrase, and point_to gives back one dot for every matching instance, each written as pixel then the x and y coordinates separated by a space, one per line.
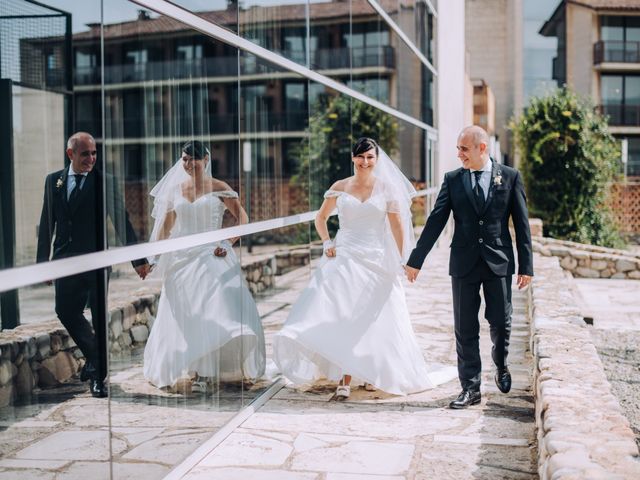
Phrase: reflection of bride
pixel 352 319
pixel 207 322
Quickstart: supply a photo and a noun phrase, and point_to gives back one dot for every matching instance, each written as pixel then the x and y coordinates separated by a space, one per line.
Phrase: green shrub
pixel 568 161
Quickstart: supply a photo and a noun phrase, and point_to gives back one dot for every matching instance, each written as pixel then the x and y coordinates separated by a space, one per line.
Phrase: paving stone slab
pixel 210 473
pixel 245 449
pixel 73 445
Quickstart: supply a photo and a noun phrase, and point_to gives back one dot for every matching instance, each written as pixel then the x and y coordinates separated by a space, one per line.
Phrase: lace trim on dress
pixel 225 193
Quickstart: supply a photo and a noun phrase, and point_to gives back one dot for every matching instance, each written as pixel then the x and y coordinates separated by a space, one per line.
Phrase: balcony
pixel 616 52
pixel 336 58
pixel 135 126
pixel 621 115
pixel 325 59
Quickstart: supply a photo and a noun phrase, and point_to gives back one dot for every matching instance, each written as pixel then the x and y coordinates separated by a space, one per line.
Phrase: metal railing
pixel 224 66
pixel 616 51
pixel 620 114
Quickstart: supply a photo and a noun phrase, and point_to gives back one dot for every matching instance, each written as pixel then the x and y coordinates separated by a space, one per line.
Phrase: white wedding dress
pixel 207 321
pixel 352 319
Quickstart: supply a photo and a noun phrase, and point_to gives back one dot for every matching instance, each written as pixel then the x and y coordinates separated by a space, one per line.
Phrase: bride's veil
pixel 165 192
pixel 398 192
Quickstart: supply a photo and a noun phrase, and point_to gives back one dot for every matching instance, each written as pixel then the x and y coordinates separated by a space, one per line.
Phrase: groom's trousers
pixel 73 294
pixel 466 307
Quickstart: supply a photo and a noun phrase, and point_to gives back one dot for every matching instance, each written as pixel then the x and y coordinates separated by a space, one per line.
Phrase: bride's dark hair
pixel 195 149
pixel 364 144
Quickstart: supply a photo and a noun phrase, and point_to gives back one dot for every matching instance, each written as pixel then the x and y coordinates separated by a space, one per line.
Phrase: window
pixel 621 99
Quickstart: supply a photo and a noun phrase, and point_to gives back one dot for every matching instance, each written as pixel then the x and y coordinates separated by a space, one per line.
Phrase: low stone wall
pixel 582 432
pixel 589 261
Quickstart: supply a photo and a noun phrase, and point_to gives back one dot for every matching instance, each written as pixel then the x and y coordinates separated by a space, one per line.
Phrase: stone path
pixel 309 435
pixel 65 434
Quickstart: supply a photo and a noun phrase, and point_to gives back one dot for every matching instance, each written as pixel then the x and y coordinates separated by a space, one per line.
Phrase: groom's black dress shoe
pixel 503 379
pixel 98 388
pixel 465 399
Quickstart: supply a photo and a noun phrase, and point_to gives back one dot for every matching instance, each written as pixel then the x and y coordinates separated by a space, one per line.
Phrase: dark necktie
pixel 76 190
pixel 477 191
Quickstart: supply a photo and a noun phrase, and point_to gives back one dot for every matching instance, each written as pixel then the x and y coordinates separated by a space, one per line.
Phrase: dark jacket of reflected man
pixel 72 223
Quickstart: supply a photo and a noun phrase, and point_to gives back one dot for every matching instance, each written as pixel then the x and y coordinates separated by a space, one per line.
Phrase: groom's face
pixel 470 153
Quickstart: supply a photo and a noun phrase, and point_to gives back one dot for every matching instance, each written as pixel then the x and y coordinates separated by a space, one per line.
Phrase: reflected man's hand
pixel 412 273
pixel 220 252
pixel 143 270
pixel 523 281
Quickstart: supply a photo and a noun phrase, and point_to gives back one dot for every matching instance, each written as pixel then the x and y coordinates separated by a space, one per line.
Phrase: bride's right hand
pixel 329 248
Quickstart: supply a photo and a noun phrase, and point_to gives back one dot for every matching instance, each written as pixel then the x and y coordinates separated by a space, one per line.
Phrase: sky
pixel 121 10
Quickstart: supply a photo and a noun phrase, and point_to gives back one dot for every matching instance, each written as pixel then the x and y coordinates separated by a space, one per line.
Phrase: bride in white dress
pixel 207 322
pixel 352 319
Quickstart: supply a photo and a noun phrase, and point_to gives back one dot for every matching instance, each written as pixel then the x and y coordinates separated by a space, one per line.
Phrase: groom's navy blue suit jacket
pixel 480 234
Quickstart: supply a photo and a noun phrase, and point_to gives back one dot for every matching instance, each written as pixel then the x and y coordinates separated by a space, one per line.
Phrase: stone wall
pixel 590 261
pixel 582 432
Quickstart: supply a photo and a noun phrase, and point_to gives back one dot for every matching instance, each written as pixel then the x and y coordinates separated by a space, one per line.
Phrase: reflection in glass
pixel 207 327
pixel 273 119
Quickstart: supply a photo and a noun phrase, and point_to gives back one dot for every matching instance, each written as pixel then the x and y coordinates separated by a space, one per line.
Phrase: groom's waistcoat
pixel 480 234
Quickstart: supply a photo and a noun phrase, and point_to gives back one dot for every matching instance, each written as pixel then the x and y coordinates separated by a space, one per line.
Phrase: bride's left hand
pixel 220 252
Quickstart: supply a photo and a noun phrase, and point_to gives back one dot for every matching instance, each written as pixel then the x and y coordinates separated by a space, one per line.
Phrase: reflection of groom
pixel 71 210
pixel 482 195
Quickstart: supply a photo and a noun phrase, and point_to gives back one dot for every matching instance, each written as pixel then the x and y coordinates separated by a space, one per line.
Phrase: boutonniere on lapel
pixel 59 183
pixel 497 180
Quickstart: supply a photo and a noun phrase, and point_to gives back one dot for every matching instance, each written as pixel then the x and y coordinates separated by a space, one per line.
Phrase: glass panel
pixel 278 26
pixel 159 94
pixel 51 424
pixel 611 89
pixel 633 162
pixel 273 118
pixel 276 267
pixel 611 28
pixel 175 340
pixel 632 29
pixel 632 90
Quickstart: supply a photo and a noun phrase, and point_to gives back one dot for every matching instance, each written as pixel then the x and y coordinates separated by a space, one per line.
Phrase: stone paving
pixel 310 435
pixel 65 434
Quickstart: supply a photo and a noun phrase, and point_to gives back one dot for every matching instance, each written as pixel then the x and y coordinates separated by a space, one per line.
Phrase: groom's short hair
pixel 72 142
pixel 478 134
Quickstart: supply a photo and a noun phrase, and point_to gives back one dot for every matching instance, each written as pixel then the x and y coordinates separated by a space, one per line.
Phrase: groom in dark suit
pixel 482 195
pixel 72 219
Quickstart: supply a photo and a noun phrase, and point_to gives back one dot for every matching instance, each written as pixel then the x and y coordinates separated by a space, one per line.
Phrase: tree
pixel 569 160
pixel 324 156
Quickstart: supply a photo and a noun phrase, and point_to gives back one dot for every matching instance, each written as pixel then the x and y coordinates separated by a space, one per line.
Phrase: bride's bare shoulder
pixel 218 185
pixel 340 185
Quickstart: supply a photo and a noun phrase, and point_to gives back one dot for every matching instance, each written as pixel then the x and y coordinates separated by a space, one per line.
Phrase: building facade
pixel 598 44
pixel 509 60
pixel 597 56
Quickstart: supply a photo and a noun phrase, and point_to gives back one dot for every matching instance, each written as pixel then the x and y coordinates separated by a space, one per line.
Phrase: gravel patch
pixel 620 355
